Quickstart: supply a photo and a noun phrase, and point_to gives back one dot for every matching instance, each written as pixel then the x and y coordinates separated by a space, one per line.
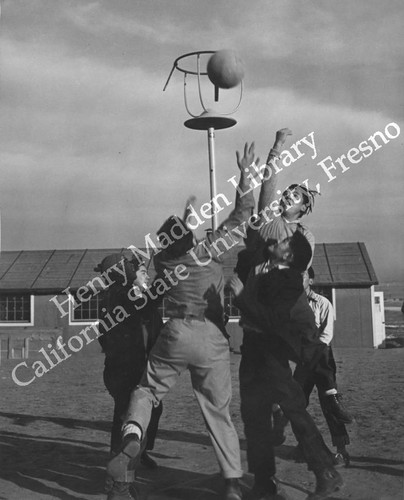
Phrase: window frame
pixel 15 323
pixel 79 322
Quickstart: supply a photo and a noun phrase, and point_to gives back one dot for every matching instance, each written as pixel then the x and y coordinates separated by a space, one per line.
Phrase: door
pixel 379 330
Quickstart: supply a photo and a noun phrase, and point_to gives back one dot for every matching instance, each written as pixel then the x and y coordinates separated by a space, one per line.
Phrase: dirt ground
pixel 54 434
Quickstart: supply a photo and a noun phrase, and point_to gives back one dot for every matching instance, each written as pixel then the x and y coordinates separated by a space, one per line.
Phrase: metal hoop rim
pixel 175 64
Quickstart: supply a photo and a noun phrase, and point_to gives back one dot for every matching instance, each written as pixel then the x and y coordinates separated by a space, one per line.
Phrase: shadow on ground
pixel 73 469
pixel 31 462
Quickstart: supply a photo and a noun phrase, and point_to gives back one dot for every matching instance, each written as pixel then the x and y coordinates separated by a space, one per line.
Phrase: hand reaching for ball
pixel 281 136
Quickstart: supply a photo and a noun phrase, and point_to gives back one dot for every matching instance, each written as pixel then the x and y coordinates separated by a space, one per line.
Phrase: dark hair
pixel 308 196
pixel 311 273
pixel 301 250
pixel 118 260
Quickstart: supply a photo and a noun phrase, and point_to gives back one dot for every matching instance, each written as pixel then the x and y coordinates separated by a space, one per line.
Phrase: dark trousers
pixel 265 379
pixel 323 376
pixel 120 384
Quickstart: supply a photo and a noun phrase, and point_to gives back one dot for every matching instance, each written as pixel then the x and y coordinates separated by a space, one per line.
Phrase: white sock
pixel 132 429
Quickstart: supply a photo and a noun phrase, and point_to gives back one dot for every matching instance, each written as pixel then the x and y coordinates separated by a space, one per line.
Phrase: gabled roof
pixel 343 265
pixel 51 271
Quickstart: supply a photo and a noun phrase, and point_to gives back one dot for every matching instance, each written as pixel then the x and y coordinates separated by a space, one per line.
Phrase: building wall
pixel 236 335
pixel 353 325
pixel 25 341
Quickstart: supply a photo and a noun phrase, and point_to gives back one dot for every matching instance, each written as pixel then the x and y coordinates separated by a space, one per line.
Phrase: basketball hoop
pixel 208 119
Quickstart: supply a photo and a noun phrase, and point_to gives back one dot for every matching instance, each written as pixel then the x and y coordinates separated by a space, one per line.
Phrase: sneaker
pixel 342 459
pixel 333 404
pixel 147 461
pixel 328 482
pixel 278 430
pixel 122 491
pixel 232 490
pixel 118 465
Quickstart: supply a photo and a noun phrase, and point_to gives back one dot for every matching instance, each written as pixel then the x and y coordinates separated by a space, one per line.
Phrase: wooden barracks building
pixel 30 320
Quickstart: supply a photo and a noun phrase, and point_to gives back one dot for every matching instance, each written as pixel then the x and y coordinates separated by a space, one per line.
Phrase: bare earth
pixel 54 434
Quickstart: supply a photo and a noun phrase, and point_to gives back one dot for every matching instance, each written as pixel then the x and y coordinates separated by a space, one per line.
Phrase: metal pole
pixel 212 178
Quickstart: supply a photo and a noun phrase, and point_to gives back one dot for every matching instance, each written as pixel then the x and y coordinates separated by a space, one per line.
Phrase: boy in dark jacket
pixel 126 346
pixel 279 326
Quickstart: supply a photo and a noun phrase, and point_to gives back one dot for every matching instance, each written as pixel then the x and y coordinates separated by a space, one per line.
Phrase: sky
pixel 93 153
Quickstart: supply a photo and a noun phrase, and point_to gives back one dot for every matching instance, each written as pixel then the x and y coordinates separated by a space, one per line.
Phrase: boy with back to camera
pixel 193 339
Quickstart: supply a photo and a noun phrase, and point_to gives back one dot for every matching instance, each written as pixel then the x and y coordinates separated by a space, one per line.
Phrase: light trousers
pixel 200 347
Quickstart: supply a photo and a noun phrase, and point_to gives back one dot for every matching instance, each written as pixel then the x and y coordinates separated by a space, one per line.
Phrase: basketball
pixel 225 69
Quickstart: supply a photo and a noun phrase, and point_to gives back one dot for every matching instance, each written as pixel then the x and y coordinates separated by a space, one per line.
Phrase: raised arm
pixel 236 222
pixel 268 187
pixel 244 205
pixel 187 210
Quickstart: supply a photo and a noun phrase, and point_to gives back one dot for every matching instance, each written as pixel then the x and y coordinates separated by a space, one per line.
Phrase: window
pixel 88 311
pixel 16 308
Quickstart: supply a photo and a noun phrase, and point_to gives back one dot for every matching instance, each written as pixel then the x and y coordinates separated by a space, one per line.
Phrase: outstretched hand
pixel 236 285
pixel 190 201
pixel 281 136
pixel 187 211
pixel 248 158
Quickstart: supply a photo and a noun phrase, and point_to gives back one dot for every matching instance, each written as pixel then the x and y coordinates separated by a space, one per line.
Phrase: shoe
pixel 147 461
pixel 122 491
pixel 268 491
pixel 328 482
pixel 333 405
pixel 278 430
pixel 232 490
pixel 118 465
pixel 342 459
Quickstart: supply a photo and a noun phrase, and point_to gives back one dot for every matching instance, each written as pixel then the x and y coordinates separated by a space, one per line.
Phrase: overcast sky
pixel 94 154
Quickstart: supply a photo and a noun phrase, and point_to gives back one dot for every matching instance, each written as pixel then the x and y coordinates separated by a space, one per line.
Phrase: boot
pixel 342 458
pixel 117 467
pixel 122 491
pixel 334 406
pixel 328 481
pixel 267 489
pixel 232 490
